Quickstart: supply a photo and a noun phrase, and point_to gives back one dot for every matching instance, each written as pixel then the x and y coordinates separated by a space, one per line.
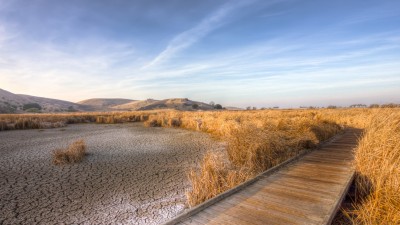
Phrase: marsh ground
pixel 130 175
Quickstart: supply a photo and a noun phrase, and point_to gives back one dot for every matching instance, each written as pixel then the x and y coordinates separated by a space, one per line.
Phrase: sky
pixel 262 53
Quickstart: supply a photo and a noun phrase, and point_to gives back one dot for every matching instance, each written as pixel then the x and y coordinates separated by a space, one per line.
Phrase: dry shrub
pixel 213 178
pixel 109 119
pixel 27 123
pixel 152 123
pixel 3 125
pixel 174 122
pixel 73 154
pixel 378 172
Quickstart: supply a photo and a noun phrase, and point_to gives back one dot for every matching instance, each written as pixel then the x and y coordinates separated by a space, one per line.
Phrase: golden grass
pixel 214 177
pixel 260 139
pixel 378 172
pixel 257 141
pixel 41 121
pixel 73 154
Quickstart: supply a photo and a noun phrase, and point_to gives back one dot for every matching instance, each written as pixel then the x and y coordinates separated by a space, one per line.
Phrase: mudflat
pixel 130 175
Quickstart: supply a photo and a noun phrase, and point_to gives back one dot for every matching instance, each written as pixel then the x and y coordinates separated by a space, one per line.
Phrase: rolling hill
pixel 17 103
pixel 105 102
pixel 173 103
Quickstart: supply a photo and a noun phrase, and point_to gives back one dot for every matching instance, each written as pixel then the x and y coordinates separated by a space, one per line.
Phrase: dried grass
pixel 378 172
pixel 73 154
pixel 212 178
pixel 258 140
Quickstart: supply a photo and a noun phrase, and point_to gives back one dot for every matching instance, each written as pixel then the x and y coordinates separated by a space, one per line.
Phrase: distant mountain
pixel 105 102
pixel 17 103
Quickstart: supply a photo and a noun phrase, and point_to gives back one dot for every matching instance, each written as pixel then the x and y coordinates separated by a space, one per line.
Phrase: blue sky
pixel 240 53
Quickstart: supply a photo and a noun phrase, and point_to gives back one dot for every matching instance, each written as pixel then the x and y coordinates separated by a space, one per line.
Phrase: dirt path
pixel 131 175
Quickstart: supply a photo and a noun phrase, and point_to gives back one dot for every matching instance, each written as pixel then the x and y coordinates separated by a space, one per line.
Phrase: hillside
pixel 105 102
pixel 173 103
pixel 136 105
pixel 177 103
pixel 16 103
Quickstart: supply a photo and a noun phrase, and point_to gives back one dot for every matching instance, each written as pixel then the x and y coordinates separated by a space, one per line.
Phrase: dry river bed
pixel 130 175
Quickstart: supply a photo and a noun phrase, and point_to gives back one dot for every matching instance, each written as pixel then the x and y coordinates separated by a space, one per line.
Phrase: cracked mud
pixel 130 175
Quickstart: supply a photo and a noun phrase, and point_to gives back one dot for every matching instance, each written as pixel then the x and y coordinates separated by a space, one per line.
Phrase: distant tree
pixel 331 107
pixel 32 105
pixel 248 108
pixel 374 106
pixel 254 108
pixel 212 103
pixel 195 106
pixel 262 108
pixel 390 105
pixel 276 107
pixel 358 106
pixel 218 106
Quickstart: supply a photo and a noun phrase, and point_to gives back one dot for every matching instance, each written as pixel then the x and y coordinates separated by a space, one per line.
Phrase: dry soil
pixel 130 175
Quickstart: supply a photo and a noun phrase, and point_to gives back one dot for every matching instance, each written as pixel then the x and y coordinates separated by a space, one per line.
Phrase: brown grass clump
pixel 378 172
pixel 111 119
pixel 213 178
pixel 256 149
pixel 73 154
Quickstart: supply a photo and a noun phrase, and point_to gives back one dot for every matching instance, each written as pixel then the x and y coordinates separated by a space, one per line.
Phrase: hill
pixel 105 102
pixel 136 105
pixel 16 103
pixel 173 103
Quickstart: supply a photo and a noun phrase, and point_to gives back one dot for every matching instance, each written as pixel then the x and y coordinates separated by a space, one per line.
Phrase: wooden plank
pixel 294 209
pixel 317 180
pixel 258 210
pixel 313 172
pixel 238 212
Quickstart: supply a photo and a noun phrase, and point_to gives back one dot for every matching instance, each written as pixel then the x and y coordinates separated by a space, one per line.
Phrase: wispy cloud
pixel 191 36
pixel 257 56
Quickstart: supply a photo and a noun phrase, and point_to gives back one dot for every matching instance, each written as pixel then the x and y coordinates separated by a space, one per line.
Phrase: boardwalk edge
pixel 212 201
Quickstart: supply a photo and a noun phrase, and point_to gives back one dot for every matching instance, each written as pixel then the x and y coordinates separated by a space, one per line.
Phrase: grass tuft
pixel 73 154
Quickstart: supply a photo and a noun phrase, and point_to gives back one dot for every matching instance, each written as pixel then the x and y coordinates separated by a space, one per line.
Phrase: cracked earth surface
pixel 130 175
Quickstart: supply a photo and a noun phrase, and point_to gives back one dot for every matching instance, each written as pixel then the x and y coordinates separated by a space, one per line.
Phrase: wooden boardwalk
pixel 306 191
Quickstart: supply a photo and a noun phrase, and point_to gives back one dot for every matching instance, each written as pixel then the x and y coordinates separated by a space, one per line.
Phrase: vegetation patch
pixel 260 139
pixel 32 106
pixel 73 154
pixel 378 172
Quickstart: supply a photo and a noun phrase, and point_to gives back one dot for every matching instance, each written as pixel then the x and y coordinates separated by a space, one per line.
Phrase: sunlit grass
pixel 258 140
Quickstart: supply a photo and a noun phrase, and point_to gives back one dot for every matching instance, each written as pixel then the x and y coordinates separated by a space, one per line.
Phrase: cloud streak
pixel 255 53
pixel 194 34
